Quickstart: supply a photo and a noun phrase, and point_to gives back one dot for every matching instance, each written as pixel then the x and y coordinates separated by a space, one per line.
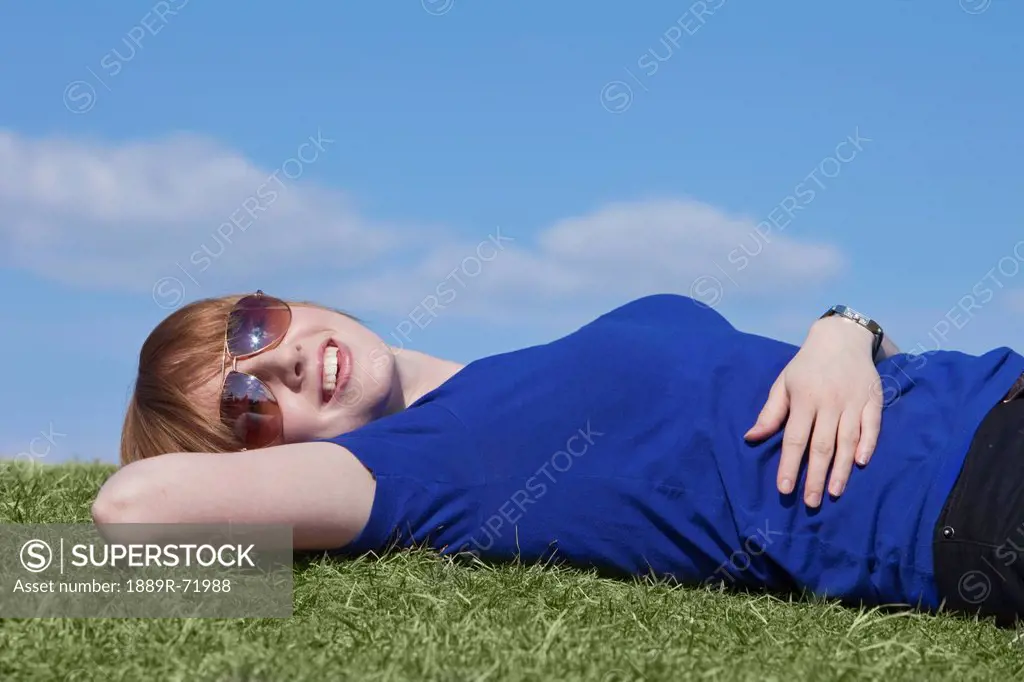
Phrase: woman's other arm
pixel 320 489
pixel 830 398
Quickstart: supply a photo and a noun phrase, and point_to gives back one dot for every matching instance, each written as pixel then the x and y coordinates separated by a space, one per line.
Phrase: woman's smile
pixel 335 369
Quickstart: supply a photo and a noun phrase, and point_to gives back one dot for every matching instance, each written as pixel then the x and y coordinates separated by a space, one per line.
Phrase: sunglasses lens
pixel 255 323
pixel 250 409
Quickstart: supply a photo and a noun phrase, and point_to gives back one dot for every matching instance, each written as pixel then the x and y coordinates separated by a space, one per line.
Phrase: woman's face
pixel 329 374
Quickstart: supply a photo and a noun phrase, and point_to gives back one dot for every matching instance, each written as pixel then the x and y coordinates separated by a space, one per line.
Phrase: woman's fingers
pixel 824 422
pixel 846 447
pixel 823 445
pixel 870 426
pixel 773 414
pixel 794 445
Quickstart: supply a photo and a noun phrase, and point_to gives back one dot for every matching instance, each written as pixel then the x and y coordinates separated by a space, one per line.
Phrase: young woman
pixel 626 445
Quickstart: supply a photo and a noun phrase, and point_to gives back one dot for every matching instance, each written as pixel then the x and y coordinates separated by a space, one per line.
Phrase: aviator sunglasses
pixel 256 323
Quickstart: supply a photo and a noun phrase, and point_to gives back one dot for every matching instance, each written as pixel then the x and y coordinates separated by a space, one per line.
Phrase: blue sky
pixel 769 158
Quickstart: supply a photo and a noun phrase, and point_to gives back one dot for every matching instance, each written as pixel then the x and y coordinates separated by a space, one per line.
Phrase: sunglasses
pixel 256 324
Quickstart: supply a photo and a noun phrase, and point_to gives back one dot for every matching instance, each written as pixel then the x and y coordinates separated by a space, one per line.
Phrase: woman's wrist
pixel 839 330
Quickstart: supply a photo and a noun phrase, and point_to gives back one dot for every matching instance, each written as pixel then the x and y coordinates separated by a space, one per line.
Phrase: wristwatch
pixel 864 321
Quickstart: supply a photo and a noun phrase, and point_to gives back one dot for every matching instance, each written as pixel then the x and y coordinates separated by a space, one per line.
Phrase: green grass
pixel 414 616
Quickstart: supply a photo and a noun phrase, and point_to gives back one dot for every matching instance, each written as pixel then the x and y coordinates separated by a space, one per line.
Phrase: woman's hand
pixel 832 387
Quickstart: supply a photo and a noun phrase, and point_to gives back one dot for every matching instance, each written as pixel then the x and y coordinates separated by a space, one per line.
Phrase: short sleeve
pixel 424 468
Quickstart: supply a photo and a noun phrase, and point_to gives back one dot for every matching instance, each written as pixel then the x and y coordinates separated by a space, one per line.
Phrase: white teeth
pixel 330 369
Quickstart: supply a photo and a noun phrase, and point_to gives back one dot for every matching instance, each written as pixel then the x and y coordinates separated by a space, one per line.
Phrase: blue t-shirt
pixel 620 446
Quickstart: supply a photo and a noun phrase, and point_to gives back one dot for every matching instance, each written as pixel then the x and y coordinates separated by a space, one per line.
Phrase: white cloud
pixel 615 253
pixel 122 216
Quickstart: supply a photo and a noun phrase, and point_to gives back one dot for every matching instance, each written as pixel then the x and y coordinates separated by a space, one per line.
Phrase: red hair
pixel 182 354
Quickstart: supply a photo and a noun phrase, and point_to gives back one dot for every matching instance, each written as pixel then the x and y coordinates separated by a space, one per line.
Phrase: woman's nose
pixel 286 365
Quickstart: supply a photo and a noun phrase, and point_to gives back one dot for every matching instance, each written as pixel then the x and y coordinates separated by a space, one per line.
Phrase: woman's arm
pixel 831 387
pixel 320 489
